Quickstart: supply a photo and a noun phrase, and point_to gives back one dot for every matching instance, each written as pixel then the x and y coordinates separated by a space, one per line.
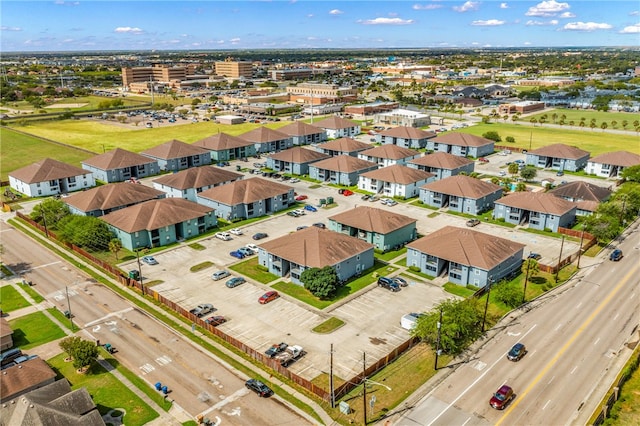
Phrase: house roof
pixel 174 149
pixel 581 191
pixel 53 404
pixel 334 122
pixel 537 202
pixel 392 152
pixel 463 186
pixel 560 150
pixel 398 174
pixel 316 248
pixel 344 145
pixel 112 196
pixel 46 170
pixel 589 206
pixel 372 219
pixel 462 139
pixel 23 376
pixel 617 158
pixel 264 134
pixel 299 155
pixel 155 214
pixel 300 128
pixel 198 177
pixel 442 160
pixel 406 132
pixel 344 164
pixel 245 191
pixel 5 328
pixel 221 142
pixel 467 247
pixel 117 159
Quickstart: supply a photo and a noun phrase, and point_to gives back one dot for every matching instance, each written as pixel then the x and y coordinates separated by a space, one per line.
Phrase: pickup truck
pixel 202 310
pixel 290 355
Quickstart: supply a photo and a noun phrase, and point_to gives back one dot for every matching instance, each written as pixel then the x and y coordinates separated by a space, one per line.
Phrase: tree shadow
pixel 538 280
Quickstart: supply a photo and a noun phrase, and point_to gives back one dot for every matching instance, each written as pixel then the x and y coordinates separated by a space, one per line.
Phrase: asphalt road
pixel 199 384
pixel 577 339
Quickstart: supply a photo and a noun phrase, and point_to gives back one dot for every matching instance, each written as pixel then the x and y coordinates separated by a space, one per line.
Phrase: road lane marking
pixel 566 346
pixel 466 421
pixel 45 265
pixel 596 342
pixel 574 369
pixel 451 404
pixel 557 327
pixel 616 317
pixel 234 396
pixel 579 304
pixel 545 405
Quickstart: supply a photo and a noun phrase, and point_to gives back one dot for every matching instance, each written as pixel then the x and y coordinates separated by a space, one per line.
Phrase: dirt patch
pixel 58 106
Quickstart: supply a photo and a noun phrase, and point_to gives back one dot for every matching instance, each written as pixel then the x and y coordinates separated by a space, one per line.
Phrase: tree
pixel 85 353
pixel 87 232
pixel 69 345
pixel 507 293
pixel 115 245
pixel 459 327
pixel 528 173
pixel 532 266
pixel 492 135
pixel 604 126
pixel 322 283
pixel 50 212
pixel 521 187
pixel 510 139
pixel 513 168
pixel 631 174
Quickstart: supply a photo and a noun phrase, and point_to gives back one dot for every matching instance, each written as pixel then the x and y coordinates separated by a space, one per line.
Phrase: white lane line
pixel 466 421
pixel 557 327
pixel 45 265
pixel 551 380
pixel 579 304
pixel 596 342
pixel 574 369
pixel 545 405
pixel 632 294
pixel 616 317
pixel 452 403
pixel 237 394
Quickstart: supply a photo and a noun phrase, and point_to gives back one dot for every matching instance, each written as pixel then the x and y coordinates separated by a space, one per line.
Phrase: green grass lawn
pixel 107 392
pixel 458 290
pixel 576 115
pixel 328 326
pixel 392 254
pixel 33 330
pixel 10 299
pixel 250 269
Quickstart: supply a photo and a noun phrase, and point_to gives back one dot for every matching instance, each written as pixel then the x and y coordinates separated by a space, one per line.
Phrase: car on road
pixel 365 197
pixel 218 275
pixel 502 173
pixel 237 254
pixel 268 297
pixel 400 281
pixel 216 320
pixel 517 352
pixel 202 310
pixel 149 260
pixel 235 282
pixel 501 397
pixel 258 387
pixel 310 208
pixel 275 349
pixel 615 255
pixel 259 236
pixel 559 173
pixel 388 283
pixel 534 256
pixel 301 197
pixel 473 222
pixel 236 231
pixel 224 236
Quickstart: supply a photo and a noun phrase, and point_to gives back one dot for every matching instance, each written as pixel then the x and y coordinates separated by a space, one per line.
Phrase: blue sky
pixel 187 25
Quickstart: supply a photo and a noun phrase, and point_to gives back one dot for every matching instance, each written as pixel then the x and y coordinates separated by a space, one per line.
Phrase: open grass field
pixel 594 141
pixel 83 103
pixel 33 330
pixel 578 114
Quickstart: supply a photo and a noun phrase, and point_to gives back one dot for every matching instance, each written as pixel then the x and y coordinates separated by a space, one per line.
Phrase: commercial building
pixel 156 73
pixel 234 69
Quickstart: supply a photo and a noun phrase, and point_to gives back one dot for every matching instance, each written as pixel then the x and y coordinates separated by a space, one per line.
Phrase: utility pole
pixel 44 221
pixel 364 387
pixel 69 309
pixel 140 272
pixel 584 225
pixel 439 326
pixel 486 305
pixel 559 259
pixel 526 279
pixel 332 395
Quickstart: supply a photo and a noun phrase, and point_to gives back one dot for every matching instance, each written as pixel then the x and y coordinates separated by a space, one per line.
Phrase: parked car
pixel 246 251
pixel 391 203
pixel 517 352
pixel 534 256
pixel 483 160
pixel 365 197
pixel 320 225
pixel 615 255
pixel 501 397
pixel 300 212
pixel 347 192
pixel 473 222
pixel 149 260
pixel 235 282
pixel 216 320
pixel 258 387
pixel 268 297
pixel 301 197
pixel 400 281
pixel 293 213
pixel 252 247
pixel 275 349
pixel 408 321
pixel 224 236
pixel 310 208
pixel 237 254
pixel 218 275
pixel 300 228
pixel 202 309
pixel 388 283
pixel 559 173
pixel 259 236
pixel 236 231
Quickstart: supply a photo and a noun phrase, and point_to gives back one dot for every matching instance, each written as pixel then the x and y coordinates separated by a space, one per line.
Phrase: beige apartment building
pixel 318 93
pixel 234 69
pixel 156 73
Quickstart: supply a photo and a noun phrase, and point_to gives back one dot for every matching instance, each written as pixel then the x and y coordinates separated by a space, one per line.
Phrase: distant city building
pixel 234 69
pixel 156 73
pixel 318 93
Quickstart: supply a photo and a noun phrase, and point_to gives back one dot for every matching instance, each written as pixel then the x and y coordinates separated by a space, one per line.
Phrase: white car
pixel 252 247
pixel 236 231
pixel 300 211
pixel 224 236
pixel 502 173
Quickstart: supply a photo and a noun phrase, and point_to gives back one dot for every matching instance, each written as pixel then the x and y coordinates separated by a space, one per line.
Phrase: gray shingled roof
pixel 197 177
pixel 46 170
pixel 463 186
pixel 117 159
pixel 245 191
pixel 112 196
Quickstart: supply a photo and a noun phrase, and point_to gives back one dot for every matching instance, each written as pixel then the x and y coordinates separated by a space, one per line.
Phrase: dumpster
pixel 323 201
pixel 238 168
pixel 134 274
pixel 329 200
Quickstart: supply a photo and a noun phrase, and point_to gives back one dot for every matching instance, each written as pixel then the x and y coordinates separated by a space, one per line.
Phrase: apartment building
pixel 234 69
pixel 159 73
pixel 319 93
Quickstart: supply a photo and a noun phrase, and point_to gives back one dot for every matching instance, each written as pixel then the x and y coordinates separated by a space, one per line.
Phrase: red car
pixel 301 197
pixel 501 398
pixel 483 160
pixel 216 320
pixel 268 297
pixel 347 192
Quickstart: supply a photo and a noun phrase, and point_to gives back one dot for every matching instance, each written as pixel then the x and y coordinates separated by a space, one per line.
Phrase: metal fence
pixel 615 390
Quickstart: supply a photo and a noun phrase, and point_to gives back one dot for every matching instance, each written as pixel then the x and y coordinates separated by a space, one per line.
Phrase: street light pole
pixel 439 326
pixel 364 387
pixel 486 305
pixel 69 309
pixel 140 272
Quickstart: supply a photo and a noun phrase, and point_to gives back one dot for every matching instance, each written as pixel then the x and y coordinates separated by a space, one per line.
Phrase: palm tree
pixel 115 245
pixel 625 123
pixel 554 116
pixel 614 123
pixel 521 187
pixel 604 126
pixel 513 168
pixel 533 121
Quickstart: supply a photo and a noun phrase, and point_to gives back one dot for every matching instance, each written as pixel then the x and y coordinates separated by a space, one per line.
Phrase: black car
pixel 275 349
pixel 517 352
pixel 259 236
pixel 388 283
pixel 258 387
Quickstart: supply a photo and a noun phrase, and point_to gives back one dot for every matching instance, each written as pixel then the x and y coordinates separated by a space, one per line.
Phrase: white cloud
pixel 631 29
pixel 310 15
pixel 469 5
pixel 431 6
pixel 547 8
pixel 234 40
pixel 532 23
pixel 335 12
pixel 567 15
pixel 5 28
pixel 67 3
pixel 586 26
pixel 488 23
pixel 504 6
pixel 132 30
pixel 387 21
